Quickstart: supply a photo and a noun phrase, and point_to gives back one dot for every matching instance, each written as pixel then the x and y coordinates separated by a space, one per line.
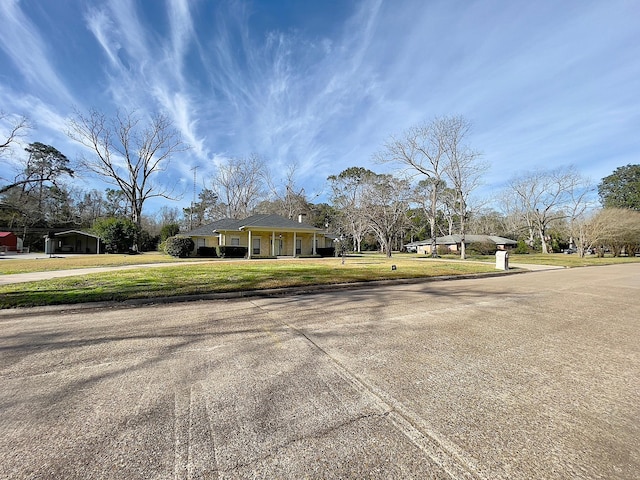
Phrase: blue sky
pixel 323 84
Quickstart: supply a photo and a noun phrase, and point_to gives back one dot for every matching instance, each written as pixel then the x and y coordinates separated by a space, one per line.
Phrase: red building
pixel 8 242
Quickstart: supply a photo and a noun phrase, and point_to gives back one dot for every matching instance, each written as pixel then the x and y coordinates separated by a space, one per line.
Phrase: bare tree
pixel 385 204
pixel 239 185
pixel 347 197
pixel 617 229
pixel 425 150
pixel 463 169
pixel 128 153
pixel 286 199
pixel 542 197
pixel 16 128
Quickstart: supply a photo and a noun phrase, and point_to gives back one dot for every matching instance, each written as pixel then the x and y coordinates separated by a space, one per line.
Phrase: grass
pixel 555 259
pixel 194 276
pixel 10 265
pixel 213 277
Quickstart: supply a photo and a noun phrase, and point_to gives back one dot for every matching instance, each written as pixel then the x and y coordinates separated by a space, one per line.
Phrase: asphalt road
pixel 522 376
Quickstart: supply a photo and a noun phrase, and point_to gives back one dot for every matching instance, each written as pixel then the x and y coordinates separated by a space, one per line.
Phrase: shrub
pixel 443 250
pixel 207 252
pixel 116 234
pixel 481 248
pixel 522 248
pixel 169 230
pixel 147 242
pixel 179 246
pixel 232 251
pixel 326 251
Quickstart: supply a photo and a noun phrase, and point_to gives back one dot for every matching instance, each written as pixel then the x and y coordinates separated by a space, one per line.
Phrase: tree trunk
pixel 543 241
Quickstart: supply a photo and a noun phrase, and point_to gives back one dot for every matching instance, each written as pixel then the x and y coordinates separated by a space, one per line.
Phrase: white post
pixel 294 244
pixel 249 248
pixel 273 244
pixel 314 243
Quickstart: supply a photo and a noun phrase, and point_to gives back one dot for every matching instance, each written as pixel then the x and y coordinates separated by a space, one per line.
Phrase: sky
pixel 323 84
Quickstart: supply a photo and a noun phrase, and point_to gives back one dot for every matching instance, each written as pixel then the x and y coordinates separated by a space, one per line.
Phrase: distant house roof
pixel 262 221
pixel 74 232
pixel 456 239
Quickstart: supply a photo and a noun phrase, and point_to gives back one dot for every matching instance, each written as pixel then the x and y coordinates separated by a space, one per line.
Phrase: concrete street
pixel 517 377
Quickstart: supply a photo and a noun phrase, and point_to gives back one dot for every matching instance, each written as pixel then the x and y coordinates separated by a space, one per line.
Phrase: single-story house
pixel 263 235
pixel 72 241
pixel 9 242
pixel 453 243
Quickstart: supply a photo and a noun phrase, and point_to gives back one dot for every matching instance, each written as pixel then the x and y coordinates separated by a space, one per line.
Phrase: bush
pixel 443 250
pixel 147 242
pixel 169 230
pixel 116 234
pixel 522 248
pixel 207 252
pixel 481 248
pixel 179 246
pixel 232 251
pixel 326 251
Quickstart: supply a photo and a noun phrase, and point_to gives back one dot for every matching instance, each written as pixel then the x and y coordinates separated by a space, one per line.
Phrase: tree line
pixel 429 194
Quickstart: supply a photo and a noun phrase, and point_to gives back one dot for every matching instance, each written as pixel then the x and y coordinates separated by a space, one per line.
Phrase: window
pixel 298 246
pixel 235 241
pixel 256 246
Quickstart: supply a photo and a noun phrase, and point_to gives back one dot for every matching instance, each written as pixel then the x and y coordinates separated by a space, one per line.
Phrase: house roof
pixel 74 232
pixel 455 239
pixel 259 222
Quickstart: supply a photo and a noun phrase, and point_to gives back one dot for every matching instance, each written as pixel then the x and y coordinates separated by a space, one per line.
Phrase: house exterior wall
pixel 285 244
pixel 10 242
pixel 426 249
pixel 454 248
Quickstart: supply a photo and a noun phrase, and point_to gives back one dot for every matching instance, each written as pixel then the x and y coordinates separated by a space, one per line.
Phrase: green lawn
pixel 218 276
pixel 555 259
pixel 9 265
pixel 197 276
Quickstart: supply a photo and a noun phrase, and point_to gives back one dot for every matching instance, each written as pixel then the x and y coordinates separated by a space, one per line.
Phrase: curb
pixel 264 293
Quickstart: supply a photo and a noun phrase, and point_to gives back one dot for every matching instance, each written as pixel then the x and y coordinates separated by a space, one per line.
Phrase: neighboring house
pixel 453 243
pixel 9 242
pixel 72 241
pixel 263 235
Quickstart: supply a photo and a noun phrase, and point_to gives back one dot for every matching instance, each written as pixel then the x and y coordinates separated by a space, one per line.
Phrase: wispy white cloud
pixel 21 41
pixel 144 74
pixel 538 85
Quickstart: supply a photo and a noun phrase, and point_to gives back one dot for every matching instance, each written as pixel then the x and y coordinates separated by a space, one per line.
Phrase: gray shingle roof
pixel 256 221
pixel 454 239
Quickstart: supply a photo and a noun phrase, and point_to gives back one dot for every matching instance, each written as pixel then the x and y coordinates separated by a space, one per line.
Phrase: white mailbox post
pixel 502 260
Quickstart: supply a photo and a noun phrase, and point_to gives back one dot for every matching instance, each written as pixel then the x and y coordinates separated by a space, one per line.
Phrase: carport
pixel 72 241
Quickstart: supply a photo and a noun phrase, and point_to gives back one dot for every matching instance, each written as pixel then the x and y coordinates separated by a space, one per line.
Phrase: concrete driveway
pixel 525 376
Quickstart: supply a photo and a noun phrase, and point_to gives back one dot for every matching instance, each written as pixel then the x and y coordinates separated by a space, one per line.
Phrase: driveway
pixel 525 376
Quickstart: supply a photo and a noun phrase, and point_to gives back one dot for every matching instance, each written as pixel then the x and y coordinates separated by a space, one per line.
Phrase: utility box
pixel 502 260
pixel 49 246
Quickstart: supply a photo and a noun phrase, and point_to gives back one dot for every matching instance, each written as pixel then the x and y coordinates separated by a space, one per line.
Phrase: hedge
pixel 232 251
pixel 326 251
pixel 207 252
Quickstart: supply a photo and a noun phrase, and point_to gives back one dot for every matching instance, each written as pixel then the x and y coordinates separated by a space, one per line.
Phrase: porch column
pixel 249 246
pixel 314 243
pixel 294 244
pixel 273 244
